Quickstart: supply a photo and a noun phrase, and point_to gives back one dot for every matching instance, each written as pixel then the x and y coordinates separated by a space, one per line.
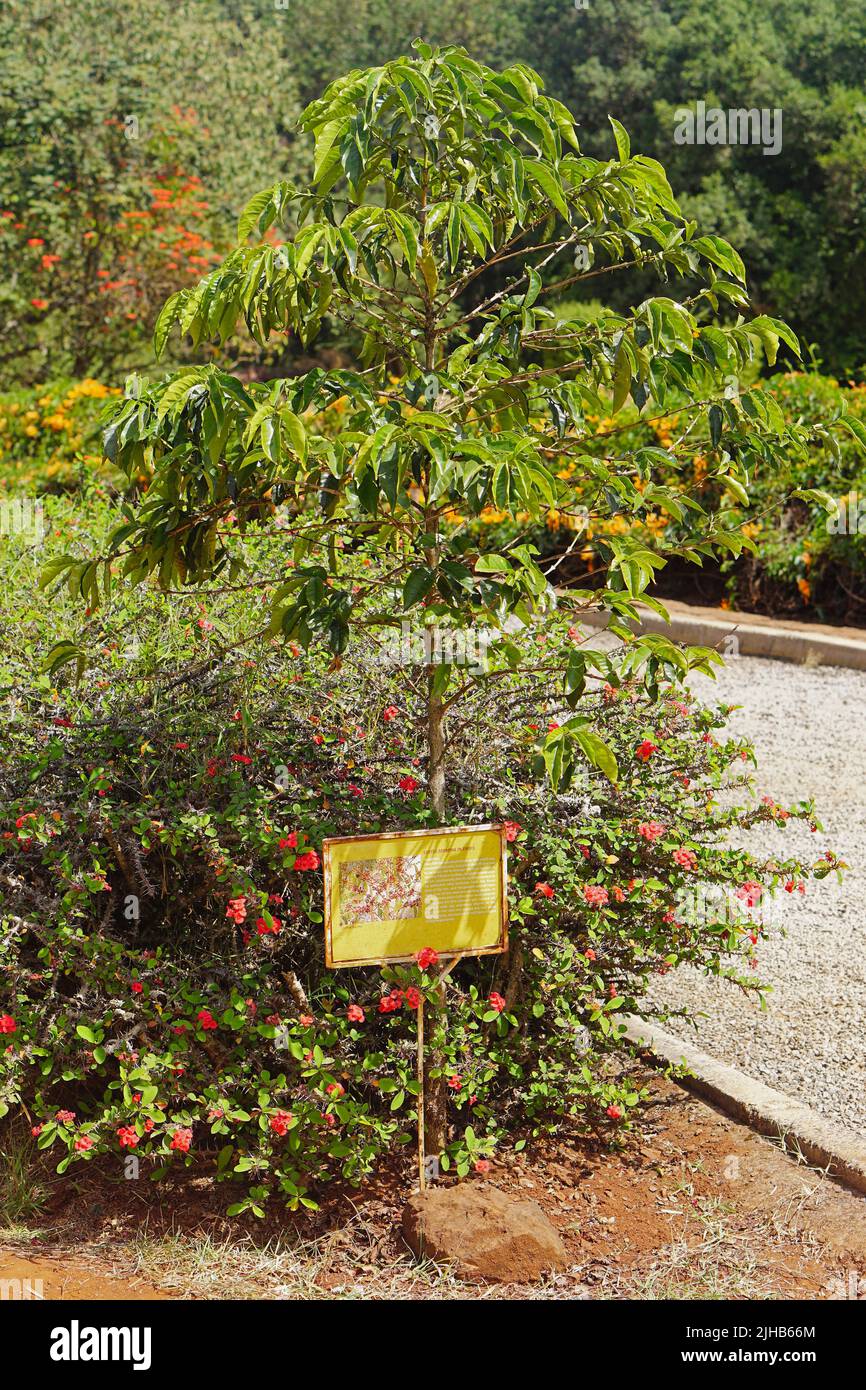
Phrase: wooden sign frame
pixel 400 837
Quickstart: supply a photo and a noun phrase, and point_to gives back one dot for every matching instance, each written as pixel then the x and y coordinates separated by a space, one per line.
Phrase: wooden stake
pixel 422 1157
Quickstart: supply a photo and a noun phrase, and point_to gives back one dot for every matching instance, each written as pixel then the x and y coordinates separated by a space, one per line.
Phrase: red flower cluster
pixel 206 1019
pixel 308 860
pixel 181 1140
pixel 596 895
pixel 355 1014
pixel 237 910
pixel 264 930
pixel 496 1001
pixel 128 1137
pixel 426 957
pixel 750 893
pixel 390 1003
pixel 280 1122
pixel 645 750
pixel 651 830
pixel 7 1024
pixel 512 830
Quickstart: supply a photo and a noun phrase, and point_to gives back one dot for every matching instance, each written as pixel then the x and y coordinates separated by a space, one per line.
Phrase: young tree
pixel 449 205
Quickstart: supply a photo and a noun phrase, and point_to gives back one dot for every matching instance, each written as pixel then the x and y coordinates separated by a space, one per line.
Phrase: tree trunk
pixel 435 748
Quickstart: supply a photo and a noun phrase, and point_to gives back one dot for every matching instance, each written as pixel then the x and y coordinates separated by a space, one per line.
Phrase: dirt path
pixel 58 1277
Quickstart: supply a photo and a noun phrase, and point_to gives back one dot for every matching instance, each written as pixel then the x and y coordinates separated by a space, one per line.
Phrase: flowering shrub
pixel 161 940
pixel 50 436
pixel 796 560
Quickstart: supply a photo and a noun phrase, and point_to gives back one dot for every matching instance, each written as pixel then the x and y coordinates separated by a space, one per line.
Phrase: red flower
pixel 651 830
pixel 589 953
pixel 305 1020
pixel 181 1140
pixel 544 889
pixel 426 957
pixel 65 1117
pixel 335 1089
pixel 206 1019
pixel 686 858
pixel 595 895
pixel 241 758
pixel 455 1082
pixel 308 860
pixel 614 1112
pixel 39 303
pixel 280 1122
pixel 496 1001
pixel 355 1014
pixel 389 1003
pixel 36 1131
pixel 82 1143
pixel 8 1024
pixel 290 841
pixel 512 830
pixel 127 1136
pixel 750 893
pixel 237 910
pixel 645 750
pixel 390 712
pixel 412 997
pixel 136 987
pixel 408 784
pixel 482 1165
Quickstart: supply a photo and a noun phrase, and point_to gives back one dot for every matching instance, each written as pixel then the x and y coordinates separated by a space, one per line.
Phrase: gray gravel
pixel 808 725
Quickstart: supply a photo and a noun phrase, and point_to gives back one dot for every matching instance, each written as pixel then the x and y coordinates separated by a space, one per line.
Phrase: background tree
pixel 119 160
pixel 429 173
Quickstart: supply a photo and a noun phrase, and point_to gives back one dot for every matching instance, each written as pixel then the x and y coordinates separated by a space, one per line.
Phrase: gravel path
pixel 808 725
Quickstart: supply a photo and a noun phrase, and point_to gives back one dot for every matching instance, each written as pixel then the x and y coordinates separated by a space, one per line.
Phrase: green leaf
pixel 620 135
pixel 598 752
pixel 418 584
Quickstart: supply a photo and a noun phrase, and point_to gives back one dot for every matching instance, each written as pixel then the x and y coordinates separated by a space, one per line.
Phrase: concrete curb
pixel 800 1128
pixel 806 643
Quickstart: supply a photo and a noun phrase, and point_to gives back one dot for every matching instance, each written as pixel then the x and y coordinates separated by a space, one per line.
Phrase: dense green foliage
pixel 190 76
pixel 797 216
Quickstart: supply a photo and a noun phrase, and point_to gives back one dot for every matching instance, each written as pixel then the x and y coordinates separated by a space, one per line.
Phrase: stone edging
pixel 814 644
pixel 800 1129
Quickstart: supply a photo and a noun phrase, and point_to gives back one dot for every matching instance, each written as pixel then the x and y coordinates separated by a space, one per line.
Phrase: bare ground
pixel 696 1207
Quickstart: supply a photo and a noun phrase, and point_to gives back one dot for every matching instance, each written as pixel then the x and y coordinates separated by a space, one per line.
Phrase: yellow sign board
pixel 389 896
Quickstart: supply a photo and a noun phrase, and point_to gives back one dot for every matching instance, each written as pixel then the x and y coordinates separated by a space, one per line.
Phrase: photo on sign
pixel 376 890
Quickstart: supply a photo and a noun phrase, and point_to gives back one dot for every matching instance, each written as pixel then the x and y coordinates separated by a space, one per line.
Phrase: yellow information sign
pixel 389 896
